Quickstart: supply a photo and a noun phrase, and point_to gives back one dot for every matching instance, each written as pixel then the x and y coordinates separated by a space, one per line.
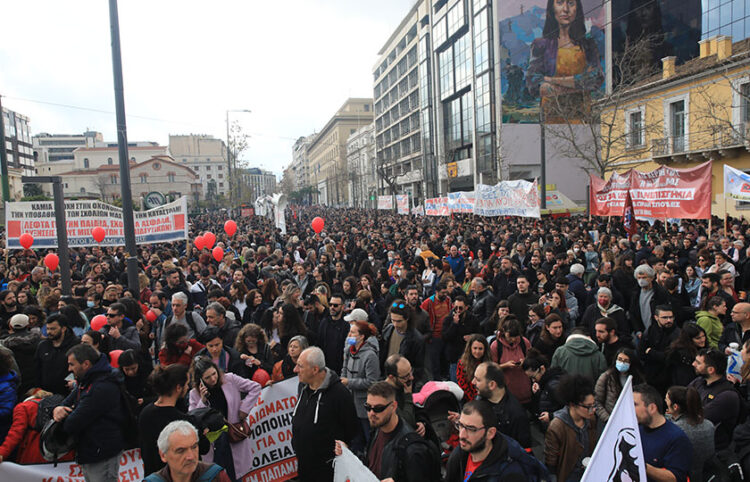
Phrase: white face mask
pixel 643 283
pixel 371 258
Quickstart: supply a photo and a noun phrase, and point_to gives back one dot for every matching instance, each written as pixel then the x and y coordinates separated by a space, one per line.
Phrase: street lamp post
pixel 229 157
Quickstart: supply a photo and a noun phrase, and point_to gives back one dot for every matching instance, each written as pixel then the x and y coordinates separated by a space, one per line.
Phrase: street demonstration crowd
pixel 457 348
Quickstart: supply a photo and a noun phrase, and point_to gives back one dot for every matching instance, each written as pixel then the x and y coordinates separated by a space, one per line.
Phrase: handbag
pixel 238 431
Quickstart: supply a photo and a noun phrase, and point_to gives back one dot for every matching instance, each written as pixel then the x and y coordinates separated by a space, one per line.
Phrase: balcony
pixel 717 142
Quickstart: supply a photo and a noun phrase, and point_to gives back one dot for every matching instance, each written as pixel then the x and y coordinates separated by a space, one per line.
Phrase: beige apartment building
pixel 326 154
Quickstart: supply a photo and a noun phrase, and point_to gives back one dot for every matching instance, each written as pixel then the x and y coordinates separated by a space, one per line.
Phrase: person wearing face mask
pixel 610 383
pixel 93 305
pixel 644 303
pixel 361 367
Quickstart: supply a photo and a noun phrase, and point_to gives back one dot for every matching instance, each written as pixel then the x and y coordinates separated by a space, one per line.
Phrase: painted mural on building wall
pixel 552 55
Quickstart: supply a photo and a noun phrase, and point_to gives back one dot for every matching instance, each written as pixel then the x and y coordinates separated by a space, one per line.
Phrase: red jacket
pixel 23 436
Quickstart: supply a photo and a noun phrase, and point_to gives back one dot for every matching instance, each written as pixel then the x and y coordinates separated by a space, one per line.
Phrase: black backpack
pixel 44 411
pixel 413 441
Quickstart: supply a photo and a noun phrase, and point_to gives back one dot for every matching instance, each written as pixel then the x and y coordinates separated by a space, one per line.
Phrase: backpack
pixel 54 441
pixel 130 413
pixel 533 469
pixel 188 318
pixel 211 474
pixel 45 406
pixel 412 439
pixel 499 347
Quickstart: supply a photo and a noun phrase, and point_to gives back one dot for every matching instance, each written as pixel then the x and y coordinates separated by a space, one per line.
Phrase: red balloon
pixel 209 238
pixel 26 240
pixel 218 253
pixel 317 225
pixel 150 316
pixel 51 261
pixel 200 243
pixel 98 322
pixel 230 227
pixel 114 358
pixel 261 376
pixel 98 233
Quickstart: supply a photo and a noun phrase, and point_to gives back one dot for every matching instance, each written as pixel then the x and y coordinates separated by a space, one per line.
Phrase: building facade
pixel 300 168
pixel 255 183
pixel 327 152
pixel 18 145
pixel 397 110
pixel 689 114
pixel 361 162
pixel 205 155
pixel 59 147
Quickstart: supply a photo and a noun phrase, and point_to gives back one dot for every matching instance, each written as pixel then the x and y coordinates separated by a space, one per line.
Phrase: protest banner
pixel 659 194
pixel 131 470
pixel 271 426
pixel 507 198
pixel 385 202
pixel 461 202
pixel 402 203
pixel 417 211
pixel 437 206
pixel 247 211
pixel 158 225
pixel 736 184
pixel 347 467
pixel 619 453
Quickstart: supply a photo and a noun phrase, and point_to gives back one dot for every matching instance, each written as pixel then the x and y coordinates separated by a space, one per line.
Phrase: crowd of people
pixel 539 323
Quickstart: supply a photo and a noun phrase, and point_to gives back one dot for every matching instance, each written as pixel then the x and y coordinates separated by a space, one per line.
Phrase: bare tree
pixel 101 182
pixel 238 143
pixel 592 129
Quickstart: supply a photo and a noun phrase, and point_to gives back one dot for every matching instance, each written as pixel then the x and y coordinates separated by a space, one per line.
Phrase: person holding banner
pixel 666 448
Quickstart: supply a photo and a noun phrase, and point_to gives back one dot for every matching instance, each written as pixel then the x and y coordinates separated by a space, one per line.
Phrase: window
pixel 745 103
pixel 184 160
pixel 109 161
pixel 677 117
pixel 113 179
pixel 85 162
pixel 171 177
pixel 221 176
pixel 208 168
pixel 221 184
pixel 83 190
pixel 132 159
pixel 220 167
pixel 635 134
pixel 144 178
pixel 208 159
pixel 209 176
pixel 367 107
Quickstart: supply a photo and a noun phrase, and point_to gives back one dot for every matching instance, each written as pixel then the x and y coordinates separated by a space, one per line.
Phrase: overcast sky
pixel 185 62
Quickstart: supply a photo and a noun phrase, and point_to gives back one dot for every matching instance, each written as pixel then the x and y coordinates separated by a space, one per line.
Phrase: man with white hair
pixel 178 448
pixel 180 315
pixel 575 284
pixel 649 296
pixel 324 413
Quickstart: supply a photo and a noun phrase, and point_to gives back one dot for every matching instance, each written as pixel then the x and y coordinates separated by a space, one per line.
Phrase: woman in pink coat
pixel 223 391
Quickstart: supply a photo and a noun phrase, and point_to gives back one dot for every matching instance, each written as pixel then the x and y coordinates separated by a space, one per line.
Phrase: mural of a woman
pixel 565 65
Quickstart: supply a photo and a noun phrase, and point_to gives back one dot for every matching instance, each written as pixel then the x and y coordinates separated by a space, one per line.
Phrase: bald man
pixel 738 331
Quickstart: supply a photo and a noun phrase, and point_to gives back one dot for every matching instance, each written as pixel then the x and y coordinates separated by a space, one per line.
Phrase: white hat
pixel 19 321
pixel 357 314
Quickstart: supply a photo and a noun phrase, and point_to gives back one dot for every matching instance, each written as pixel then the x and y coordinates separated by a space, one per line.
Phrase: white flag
pixel 619 454
pixel 736 184
pixel 347 467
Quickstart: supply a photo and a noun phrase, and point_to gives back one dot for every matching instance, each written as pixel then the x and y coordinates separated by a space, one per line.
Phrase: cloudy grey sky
pixel 185 62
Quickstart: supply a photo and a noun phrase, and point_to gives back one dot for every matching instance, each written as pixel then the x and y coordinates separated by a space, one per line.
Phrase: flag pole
pixel 726 214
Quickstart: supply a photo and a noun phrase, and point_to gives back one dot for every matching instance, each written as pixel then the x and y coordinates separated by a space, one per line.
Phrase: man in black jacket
pixel 458 326
pixel 738 331
pixel 383 455
pixel 484 300
pixel 520 301
pixel 652 349
pixel 324 413
pixel 332 333
pixel 51 358
pixel 644 303
pixel 401 337
pixel 93 414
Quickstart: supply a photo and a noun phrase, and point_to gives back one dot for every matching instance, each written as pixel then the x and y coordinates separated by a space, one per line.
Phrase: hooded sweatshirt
pixel 361 369
pixel 320 418
pixel 712 325
pixel 580 355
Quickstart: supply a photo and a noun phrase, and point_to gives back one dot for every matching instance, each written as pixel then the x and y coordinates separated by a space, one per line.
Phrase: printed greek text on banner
pixel 507 198
pixel 131 470
pixel 163 224
pixel 736 184
pixel 347 467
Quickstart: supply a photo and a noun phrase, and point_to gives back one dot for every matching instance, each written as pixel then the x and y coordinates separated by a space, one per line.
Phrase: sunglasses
pixel 376 408
pixel 334 305
pixel 398 305
pixel 110 315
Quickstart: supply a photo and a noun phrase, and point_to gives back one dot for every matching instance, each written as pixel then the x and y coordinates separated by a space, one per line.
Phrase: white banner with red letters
pixel 402 203
pixel 131 470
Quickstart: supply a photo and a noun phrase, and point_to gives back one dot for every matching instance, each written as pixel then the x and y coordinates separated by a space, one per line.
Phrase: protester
pixel 684 408
pixel 284 368
pixel 178 449
pixel 361 368
pixel 609 385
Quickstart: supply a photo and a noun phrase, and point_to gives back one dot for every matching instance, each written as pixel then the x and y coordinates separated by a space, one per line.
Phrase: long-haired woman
pixel 477 351
pixel 681 353
pixel 685 408
pixel 609 385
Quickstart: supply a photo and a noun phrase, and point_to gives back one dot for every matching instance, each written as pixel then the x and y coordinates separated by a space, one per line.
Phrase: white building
pixel 59 147
pixel 18 148
pixel 360 158
pixel 205 155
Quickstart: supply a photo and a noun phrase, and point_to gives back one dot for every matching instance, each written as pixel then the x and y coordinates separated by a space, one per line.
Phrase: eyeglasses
pixel 110 315
pixel 472 430
pixel 590 408
pixel 398 305
pixel 334 305
pixel 376 408
pixel 406 377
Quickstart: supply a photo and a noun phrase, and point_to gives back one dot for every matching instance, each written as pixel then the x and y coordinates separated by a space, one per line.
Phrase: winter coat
pixel 23 344
pixel 98 415
pixel 361 369
pixel 129 338
pixel 412 348
pixel 593 313
pixel 415 457
pixel 484 304
pixel 547 394
pixel 453 334
pixel 233 387
pixel 52 363
pixel 680 366
pixel 654 362
pixel 498 466
pixel 562 448
pixel 320 418
pixel 166 358
pixel 580 356
pixel 712 325
pixel 23 437
pixel 229 361
pixel 606 392
pixel 8 399
pixel 463 380
pixel 515 378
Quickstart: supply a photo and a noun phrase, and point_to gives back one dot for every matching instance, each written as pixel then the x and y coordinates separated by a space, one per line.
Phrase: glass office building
pixel 726 17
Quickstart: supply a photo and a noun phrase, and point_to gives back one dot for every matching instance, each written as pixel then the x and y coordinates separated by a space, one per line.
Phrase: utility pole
pixel 543 157
pixel 122 148
pixel 4 156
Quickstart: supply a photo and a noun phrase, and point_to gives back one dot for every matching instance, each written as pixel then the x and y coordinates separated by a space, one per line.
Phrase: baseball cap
pixel 19 321
pixel 357 314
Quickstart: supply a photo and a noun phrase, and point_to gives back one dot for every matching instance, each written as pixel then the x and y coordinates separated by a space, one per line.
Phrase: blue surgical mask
pixel 90 304
pixel 351 341
pixel 622 366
